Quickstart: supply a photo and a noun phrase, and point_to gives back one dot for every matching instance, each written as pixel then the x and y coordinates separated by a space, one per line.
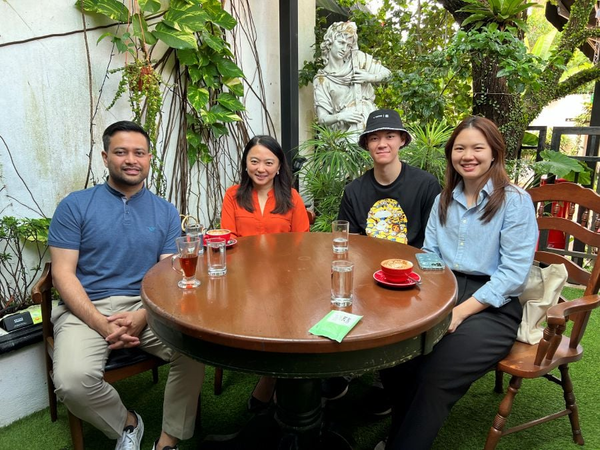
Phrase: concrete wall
pixel 22 383
pixel 45 95
pixel 44 105
pixel 45 123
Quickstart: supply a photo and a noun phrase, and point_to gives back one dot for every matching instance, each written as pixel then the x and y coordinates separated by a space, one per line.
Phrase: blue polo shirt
pixel 118 240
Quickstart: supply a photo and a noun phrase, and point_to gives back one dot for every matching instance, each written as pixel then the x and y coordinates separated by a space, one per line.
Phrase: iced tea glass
pixel 187 254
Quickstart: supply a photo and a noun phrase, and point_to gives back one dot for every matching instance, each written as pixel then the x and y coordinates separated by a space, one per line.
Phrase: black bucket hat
pixel 383 119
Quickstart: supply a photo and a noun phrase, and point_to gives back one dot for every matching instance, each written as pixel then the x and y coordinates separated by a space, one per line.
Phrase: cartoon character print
pixel 386 220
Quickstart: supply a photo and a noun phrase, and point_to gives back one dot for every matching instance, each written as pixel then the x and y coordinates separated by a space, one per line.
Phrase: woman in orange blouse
pixel 264 202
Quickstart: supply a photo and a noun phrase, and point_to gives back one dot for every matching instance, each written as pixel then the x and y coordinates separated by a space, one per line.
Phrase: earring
pixel 278 172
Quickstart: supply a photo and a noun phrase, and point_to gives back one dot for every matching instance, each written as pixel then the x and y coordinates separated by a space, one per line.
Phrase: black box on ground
pixel 16 321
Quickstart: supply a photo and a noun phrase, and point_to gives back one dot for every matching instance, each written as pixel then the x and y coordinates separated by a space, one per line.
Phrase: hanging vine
pixel 202 140
pixel 204 89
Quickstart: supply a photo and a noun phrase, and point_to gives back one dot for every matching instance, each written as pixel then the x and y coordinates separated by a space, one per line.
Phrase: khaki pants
pixel 80 355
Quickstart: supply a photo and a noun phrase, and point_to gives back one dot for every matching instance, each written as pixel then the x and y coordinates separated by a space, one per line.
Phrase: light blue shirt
pixel 503 248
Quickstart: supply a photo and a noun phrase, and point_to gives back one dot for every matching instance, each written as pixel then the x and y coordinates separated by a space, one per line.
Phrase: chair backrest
pixel 582 223
pixel 311 216
pixel 42 295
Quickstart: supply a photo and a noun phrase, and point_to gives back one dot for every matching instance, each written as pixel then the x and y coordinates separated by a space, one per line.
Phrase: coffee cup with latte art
pixel 396 270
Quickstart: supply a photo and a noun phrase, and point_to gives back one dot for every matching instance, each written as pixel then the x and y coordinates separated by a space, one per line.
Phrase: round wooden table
pixel 256 318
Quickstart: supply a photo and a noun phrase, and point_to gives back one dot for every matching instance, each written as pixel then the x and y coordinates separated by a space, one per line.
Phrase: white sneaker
pixel 381 445
pixel 131 437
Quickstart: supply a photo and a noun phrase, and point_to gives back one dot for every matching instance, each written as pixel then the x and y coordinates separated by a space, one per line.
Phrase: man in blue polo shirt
pixel 102 242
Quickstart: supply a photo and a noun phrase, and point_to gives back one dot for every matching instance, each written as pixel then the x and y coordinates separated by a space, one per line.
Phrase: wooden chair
pixel 121 363
pixel 556 350
pixel 218 386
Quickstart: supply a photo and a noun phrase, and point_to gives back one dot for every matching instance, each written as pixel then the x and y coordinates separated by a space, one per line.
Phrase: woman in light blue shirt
pixel 484 228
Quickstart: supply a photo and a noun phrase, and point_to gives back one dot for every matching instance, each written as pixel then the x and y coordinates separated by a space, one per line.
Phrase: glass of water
pixel 342 278
pixel 216 256
pixel 194 229
pixel 340 231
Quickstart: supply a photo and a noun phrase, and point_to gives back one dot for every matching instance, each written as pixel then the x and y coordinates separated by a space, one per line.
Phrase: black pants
pixel 425 389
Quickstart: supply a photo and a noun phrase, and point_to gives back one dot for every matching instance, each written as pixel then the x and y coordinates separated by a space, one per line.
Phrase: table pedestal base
pixel 296 423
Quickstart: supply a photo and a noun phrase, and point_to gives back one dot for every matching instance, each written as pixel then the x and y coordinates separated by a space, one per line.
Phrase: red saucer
pixel 413 279
pixel 230 243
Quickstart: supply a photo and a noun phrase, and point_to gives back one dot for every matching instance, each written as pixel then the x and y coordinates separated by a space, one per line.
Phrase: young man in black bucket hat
pixel 391 201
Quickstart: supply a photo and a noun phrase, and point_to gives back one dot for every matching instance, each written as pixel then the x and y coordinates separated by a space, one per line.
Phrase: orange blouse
pixel 245 223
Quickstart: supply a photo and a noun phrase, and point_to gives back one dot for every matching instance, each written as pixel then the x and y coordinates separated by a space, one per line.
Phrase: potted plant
pixel 333 158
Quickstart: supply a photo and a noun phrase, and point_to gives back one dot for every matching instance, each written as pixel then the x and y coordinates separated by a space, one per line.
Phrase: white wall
pixel 45 105
pixel 45 122
pixel 560 113
pixel 22 383
pixel 268 52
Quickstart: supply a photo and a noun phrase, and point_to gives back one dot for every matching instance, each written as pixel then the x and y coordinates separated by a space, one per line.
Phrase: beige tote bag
pixel 541 292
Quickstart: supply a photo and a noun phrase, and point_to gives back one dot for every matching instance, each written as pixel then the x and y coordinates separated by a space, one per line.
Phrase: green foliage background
pixel 435 49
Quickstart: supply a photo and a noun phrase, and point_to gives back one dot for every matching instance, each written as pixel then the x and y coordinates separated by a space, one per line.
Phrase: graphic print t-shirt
pixel 386 220
pixel 398 211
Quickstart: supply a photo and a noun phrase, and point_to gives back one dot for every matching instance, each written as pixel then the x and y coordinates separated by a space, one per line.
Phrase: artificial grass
pixel 465 429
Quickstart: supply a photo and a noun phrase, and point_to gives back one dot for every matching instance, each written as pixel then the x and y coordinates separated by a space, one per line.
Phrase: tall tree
pixel 511 86
pixel 409 37
pixel 454 57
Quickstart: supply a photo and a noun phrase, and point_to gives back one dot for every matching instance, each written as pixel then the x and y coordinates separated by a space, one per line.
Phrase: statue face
pixel 341 46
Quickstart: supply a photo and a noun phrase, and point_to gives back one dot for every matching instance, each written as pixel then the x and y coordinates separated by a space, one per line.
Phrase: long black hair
pixel 282 183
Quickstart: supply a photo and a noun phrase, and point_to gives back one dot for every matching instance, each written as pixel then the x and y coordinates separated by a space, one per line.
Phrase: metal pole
pixel 288 57
pixel 592 144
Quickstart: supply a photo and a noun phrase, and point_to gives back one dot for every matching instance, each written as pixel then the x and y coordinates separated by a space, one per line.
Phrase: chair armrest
pixel 557 318
pixel 43 286
pixel 42 295
pixel 311 216
pixel 557 314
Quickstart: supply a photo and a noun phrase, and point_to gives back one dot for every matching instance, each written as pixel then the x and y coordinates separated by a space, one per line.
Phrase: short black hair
pixel 123 125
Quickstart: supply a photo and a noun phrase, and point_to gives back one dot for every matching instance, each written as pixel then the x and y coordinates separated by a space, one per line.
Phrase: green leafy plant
pixel 563 166
pixel 504 13
pixel 406 39
pixel 426 150
pixel 511 88
pixel 521 69
pixel 145 98
pixel 333 158
pixel 552 163
pixel 208 79
pixel 484 67
pixel 15 279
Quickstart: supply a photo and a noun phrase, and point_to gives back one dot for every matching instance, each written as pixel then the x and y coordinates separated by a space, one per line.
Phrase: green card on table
pixel 335 325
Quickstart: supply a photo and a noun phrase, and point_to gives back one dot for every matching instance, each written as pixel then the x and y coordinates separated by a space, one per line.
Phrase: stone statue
pixel 344 95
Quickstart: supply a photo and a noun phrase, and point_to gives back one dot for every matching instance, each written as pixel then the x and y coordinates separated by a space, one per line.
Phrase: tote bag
pixel 542 291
